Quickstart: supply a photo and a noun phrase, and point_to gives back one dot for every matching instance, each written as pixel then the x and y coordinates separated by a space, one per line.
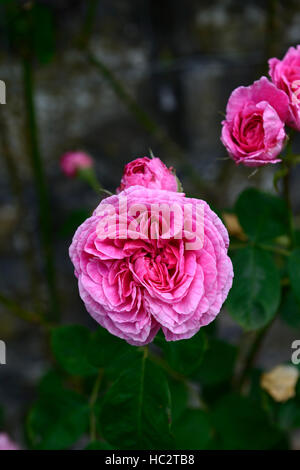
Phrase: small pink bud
pixel 71 162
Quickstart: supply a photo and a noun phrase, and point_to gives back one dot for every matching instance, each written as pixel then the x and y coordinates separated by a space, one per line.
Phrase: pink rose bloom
pixel 285 75
pixel 253 131
pixel 150 173
pixel 71 162
pixel 134 285
pixel 6 443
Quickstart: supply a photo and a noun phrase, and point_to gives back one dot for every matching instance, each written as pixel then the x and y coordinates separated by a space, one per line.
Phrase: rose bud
pixel 72 162
pixel 150 173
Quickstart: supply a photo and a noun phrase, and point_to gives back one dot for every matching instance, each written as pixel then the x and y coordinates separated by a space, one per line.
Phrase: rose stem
pixel 40 185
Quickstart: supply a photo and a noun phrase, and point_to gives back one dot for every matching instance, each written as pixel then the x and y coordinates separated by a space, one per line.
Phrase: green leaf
pixel 185 356
pixel 58 418
pixel 50 383
pixel 290 309
pixel 70 345
pixel 261 215
pixel 218 363
pixel 242 425
pixel 193 430
pixel 136 409
pixel 179 398
pixel 289 415
pixel 294 272
pixel 255 294
pixel 297 238
pixel 106 350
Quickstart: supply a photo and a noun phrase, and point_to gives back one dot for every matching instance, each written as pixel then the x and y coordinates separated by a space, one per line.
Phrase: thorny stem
pixel 251 357
pixel 41 188
pixel 18 193
pixel 88 175
pixel 22 313
pixel 88 24
pixel 146 121
pixel 141 116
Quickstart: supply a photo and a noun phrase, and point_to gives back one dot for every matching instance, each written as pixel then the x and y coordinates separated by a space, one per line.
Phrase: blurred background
pixel 114 78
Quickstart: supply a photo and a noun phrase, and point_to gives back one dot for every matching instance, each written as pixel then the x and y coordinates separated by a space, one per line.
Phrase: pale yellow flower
pixel 280 382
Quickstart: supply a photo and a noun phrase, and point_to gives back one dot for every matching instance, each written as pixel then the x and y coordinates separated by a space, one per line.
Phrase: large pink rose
pixel 150 173
pixel 6 443
pixel 253 131
pixel 139 271
pixel 285 75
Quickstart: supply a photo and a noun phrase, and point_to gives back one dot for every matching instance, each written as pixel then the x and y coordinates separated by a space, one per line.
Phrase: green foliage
pixel 255 294
pixel 186 356
pixel 58 418
pixel 294 272
pixel 193 430
pixel 242 424
pixel 106 350
pixel 218 363
pixel 289 415
pixel 179 398
pixel 261 215
pixel 290 309
pixel 70 345
pixel 136 409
